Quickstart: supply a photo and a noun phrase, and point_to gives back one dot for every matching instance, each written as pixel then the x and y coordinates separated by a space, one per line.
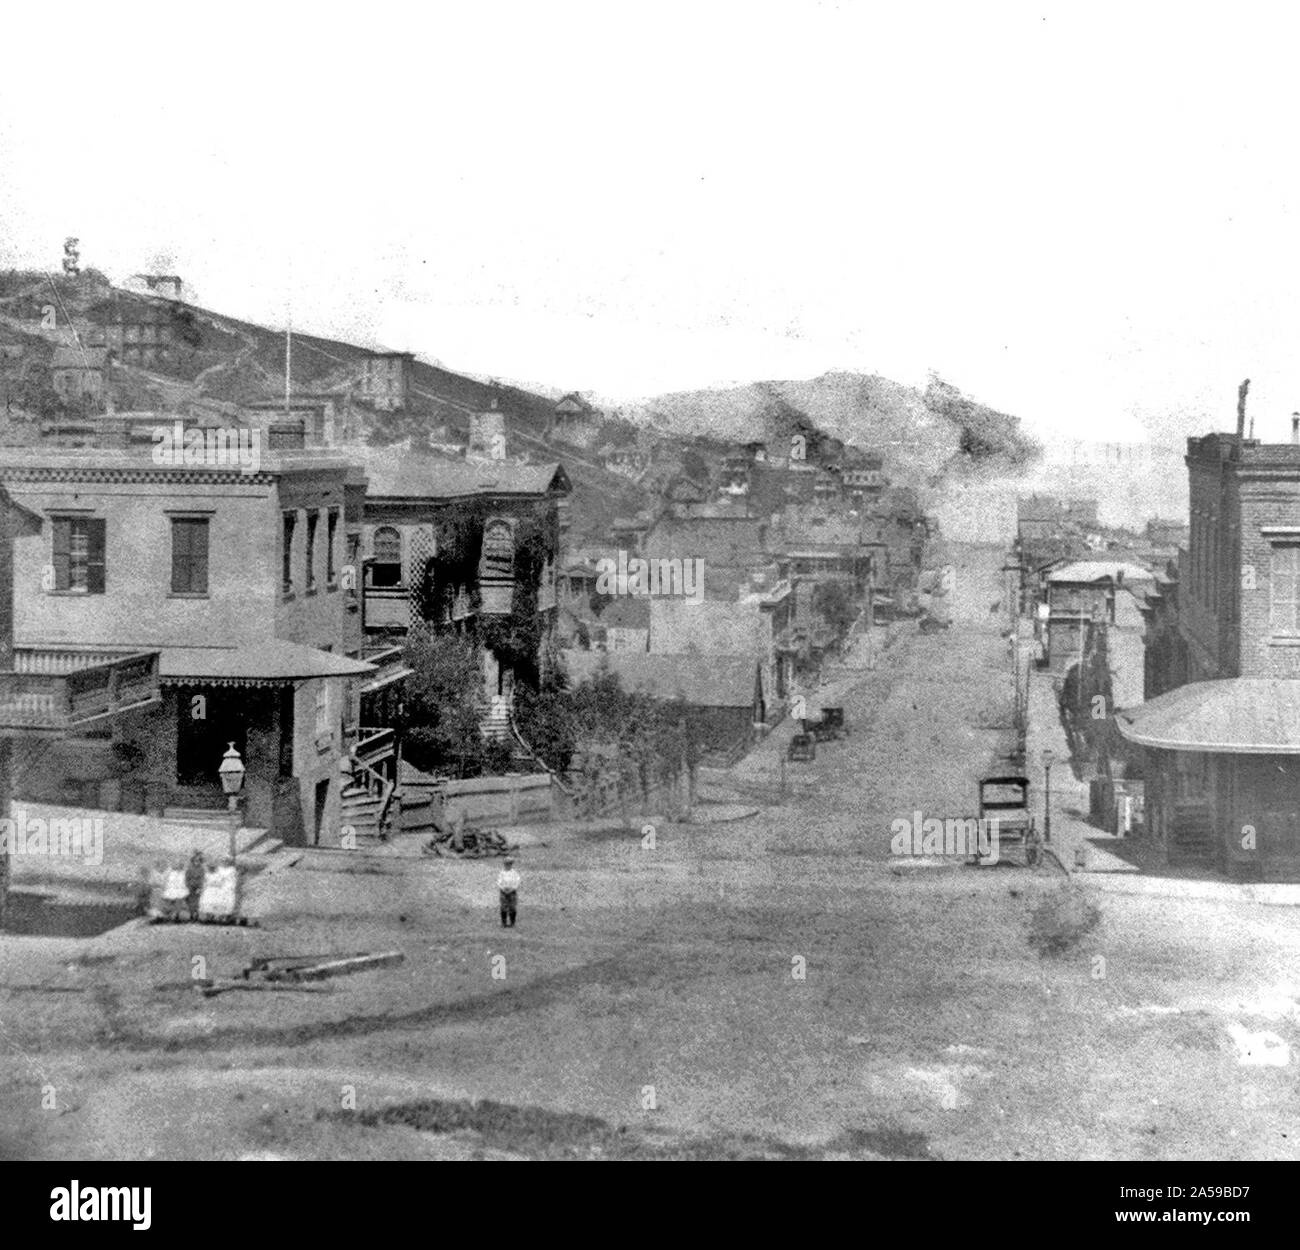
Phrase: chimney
pixel 1295 428
pixel 487 434
pixel 1241 408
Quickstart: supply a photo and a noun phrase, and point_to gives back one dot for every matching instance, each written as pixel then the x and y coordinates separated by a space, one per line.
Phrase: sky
pixel 1085 215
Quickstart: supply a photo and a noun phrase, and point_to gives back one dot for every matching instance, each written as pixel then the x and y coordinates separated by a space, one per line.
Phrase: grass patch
pixel 539 1133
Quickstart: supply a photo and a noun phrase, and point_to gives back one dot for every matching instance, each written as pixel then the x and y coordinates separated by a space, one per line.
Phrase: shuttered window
pixel 312 523
pixel 189 556
pixel 286 551
pixel 79 555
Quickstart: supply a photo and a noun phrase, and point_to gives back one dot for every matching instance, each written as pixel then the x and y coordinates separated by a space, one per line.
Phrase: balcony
pixel 387 607
pixel 57 691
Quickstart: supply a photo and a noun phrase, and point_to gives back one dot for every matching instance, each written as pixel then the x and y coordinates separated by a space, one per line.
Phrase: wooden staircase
pixel 368 805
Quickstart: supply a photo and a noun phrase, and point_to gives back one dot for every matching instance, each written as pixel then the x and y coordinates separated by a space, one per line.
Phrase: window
pixel 1284 589
pixel 313 520
pixel 322 711
pixel 79 555
pixel 331 539
pixel 189 556
pixel 286 551
pixel 386 568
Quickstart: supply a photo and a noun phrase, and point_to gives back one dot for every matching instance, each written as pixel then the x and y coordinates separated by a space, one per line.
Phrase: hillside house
pixel 78 375
pixel 136 332
pixel 575 420
pixel 385 382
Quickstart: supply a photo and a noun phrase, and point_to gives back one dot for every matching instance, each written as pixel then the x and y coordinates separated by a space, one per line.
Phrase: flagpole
pixel 288 359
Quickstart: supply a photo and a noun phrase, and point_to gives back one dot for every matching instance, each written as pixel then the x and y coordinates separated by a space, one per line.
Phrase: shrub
pixel 1060 920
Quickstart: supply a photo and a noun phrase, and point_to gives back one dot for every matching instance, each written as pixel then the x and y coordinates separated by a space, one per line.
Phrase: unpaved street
pixel 777 985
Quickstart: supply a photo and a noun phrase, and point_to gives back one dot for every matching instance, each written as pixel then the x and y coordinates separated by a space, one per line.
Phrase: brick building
pixel 1221 724
pixel 163 611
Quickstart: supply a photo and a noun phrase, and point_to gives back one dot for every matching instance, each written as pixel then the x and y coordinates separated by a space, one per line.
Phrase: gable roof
pixel 574 402
pixel 701 680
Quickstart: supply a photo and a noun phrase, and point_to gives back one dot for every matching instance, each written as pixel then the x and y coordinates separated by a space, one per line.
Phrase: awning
pixel 386 679
pixel 1231 716
pixel 271 662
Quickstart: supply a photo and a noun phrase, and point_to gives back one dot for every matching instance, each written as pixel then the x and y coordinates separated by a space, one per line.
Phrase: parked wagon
pixel 1005 799
pixel 830 726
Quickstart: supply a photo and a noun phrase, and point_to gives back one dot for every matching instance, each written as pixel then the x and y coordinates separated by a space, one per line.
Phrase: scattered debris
pixel 319 967
pixel 470 844
pixel 298 972
pixel 211 986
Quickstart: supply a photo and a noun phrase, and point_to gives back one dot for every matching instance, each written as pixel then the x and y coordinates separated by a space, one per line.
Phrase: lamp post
pixel 1048 756
pixel 231 773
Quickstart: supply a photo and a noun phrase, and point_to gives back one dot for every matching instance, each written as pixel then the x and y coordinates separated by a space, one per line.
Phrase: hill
pixel 923 436
pixel 211 356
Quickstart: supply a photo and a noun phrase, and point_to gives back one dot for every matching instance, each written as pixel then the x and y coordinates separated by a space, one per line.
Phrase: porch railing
pixel 46 693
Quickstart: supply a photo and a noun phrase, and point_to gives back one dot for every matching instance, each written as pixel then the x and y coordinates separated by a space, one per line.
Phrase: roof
pixel 702 680
pixel 274 659
pixel 1234 716
pixel 1100 571
pixel 400 473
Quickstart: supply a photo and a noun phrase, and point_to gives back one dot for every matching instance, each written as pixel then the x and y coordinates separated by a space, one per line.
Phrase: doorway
pixel 322 802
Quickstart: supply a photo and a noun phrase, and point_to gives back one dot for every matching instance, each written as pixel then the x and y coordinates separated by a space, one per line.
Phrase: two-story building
pixel 469 545
pixel 1221 721
pixel 164 609
pixel 1080 593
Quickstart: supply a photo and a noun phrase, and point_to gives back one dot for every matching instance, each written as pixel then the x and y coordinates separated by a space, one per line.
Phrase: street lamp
pixel 231 773
pixel 1048 756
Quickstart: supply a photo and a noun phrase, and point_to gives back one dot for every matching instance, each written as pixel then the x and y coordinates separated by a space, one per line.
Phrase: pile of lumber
pixel 469 843
pixel 298 972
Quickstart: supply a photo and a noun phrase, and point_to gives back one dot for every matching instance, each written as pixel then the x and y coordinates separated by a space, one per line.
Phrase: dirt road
pixel 779 986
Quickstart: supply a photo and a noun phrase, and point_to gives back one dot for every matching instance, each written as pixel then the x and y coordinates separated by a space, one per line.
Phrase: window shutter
pixel 95 533
pixel 62 546
pixel 198 557
pixel 180 557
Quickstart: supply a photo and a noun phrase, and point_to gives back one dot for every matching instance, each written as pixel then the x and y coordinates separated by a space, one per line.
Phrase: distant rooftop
pixel 1090 571
pixel 401 473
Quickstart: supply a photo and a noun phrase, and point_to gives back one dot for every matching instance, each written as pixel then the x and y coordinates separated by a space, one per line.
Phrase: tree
pixel 440 720
pixel 834 600
pixel 545 718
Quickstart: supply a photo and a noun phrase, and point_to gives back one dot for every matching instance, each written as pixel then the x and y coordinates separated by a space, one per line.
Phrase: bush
pixel 1061 920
